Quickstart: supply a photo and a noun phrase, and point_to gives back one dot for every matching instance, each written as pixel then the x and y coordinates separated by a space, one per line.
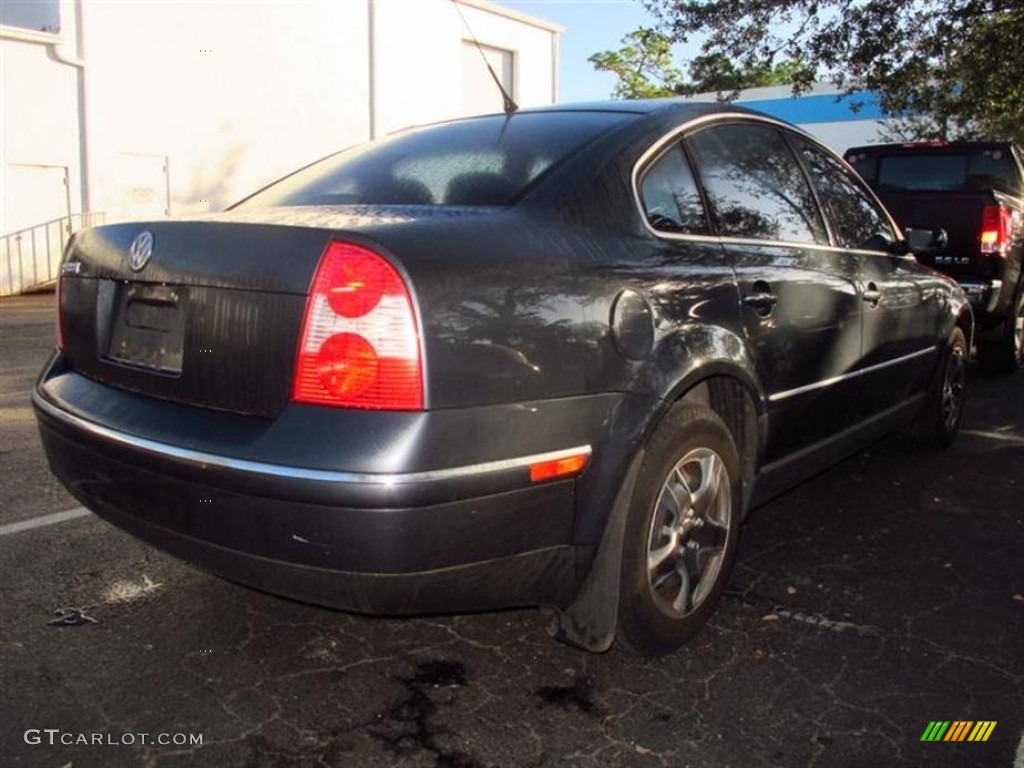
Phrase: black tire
pixel 939 419
pixel 1005 354
pixel 682 515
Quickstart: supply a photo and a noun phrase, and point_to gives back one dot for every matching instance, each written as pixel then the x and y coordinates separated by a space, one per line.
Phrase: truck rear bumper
pixel 984 296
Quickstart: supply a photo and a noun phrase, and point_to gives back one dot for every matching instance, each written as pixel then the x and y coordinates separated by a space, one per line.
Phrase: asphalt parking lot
pixel 883 595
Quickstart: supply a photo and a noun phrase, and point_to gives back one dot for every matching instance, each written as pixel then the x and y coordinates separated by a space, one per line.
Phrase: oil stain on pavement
pixel 411 726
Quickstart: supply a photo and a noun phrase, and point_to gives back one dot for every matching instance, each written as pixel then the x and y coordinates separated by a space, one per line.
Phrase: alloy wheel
pixel 1018 332
pixel 688 533
pixel 953 388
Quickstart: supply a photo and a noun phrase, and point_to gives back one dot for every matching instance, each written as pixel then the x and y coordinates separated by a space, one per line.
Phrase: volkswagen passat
pixel 550 358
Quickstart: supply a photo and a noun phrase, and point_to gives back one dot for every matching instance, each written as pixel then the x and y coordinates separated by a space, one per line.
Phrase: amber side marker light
pixel 555 468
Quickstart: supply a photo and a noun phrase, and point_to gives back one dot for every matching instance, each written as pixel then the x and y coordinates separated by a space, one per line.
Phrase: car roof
pixel 676 108
pixel 679 105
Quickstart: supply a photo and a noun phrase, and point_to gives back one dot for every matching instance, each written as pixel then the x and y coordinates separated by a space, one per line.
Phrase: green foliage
pixel 941 69
pixel 716 73
pixel 645 70
pixel 643 66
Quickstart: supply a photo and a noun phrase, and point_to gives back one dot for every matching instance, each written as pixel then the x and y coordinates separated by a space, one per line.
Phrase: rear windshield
pixel 978 169
pixel 482 161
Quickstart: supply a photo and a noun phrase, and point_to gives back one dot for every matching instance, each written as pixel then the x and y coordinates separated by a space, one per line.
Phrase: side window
pixel 856 217
pixel 669 195
pixel 755 185
pixel 38 16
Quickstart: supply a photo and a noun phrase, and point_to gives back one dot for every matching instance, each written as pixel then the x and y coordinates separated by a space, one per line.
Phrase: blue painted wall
pixel 826 108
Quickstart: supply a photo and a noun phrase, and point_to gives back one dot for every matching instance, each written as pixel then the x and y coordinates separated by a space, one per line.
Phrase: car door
pixel 686 271
pixel 901 299
pixel 799 299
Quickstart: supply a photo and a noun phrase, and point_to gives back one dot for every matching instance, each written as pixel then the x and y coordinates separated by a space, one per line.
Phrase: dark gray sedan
pixel 551 358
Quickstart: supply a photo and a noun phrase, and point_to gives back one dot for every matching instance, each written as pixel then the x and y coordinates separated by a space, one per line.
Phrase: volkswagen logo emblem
pixel 140 251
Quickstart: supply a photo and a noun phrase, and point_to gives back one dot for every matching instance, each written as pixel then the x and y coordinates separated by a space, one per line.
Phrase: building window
pixel 480 96
pixel 36 15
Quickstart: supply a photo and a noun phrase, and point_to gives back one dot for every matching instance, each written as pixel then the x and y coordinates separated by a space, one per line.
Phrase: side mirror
pixel 925 241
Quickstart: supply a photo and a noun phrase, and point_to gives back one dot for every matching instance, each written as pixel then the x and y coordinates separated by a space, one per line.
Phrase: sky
pixel 591 26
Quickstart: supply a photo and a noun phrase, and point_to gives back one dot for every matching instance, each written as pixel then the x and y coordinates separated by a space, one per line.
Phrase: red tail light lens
pixel 996 229
pixel 359 346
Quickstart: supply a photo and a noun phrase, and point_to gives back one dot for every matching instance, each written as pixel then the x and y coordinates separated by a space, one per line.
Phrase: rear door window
pixel 669 195
pixel 755 186
pixel 857 219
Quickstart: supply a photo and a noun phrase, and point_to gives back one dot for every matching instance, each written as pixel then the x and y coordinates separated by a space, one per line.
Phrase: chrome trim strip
pixel 298 473
pixel 656 148
pixel 811 246
pixel 773 398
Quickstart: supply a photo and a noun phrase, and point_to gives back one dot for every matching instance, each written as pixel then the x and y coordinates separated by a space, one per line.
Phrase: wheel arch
pixel 591 618
pixel 965 322
pixel 741 408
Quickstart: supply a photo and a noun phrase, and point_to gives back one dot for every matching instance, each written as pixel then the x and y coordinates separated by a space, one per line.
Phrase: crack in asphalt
pixel 819 620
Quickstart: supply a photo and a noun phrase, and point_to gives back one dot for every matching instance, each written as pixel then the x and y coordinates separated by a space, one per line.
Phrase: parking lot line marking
pixel 43 520
pixel 994 436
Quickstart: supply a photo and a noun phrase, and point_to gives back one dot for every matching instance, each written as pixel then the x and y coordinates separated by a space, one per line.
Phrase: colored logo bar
pixel 958 730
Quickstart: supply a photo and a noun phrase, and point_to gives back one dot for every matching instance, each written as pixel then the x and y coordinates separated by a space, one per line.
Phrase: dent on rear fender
pixel 680 355
pixel 695 353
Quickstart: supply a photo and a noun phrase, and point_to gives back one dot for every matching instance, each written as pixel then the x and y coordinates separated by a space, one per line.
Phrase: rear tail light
pixel 359 346
pixel 996 229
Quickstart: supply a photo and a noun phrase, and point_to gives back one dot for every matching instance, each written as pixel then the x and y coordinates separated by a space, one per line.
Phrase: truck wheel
pixel 681 531
pixel 1006 353
pixel 943 410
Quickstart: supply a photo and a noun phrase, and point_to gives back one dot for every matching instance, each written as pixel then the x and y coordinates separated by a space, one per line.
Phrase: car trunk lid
pixel 213 316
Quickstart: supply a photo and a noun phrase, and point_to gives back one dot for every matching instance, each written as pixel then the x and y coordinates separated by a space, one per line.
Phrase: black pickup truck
pixel 975 191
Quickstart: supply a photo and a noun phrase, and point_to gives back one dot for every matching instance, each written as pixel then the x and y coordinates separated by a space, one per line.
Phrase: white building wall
pixel 234 95
pixel 190 106
pixel 419 58
pixel 823 112
pixel 39 127
pixel 842 136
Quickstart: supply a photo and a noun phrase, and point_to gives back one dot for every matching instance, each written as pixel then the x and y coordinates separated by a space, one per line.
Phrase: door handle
pixel 872 295
pixel 762 301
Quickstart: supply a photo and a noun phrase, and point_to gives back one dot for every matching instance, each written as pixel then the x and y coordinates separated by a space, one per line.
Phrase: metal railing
pixel 30 258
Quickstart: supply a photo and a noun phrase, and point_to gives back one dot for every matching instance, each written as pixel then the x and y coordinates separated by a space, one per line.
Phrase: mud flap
pixel 591 620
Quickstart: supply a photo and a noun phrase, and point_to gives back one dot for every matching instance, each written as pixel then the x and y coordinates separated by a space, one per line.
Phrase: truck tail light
pixel 996 229
pixel 359 346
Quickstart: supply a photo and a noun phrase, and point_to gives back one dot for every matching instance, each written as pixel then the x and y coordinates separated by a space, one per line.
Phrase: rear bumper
pixel 992 302
pixel 984 296
pixel 470 536
pixel 548 576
